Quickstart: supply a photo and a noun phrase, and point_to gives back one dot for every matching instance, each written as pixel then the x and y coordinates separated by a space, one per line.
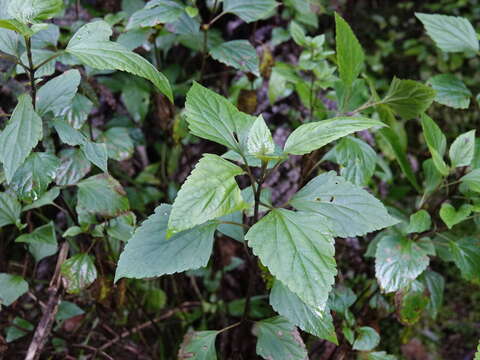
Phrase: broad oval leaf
pixel 307 318
pixel 155 12
pixel 11 288
pixel 198 345
pixel 42 242
pixel 279 339
pixel 211 116
pixel 367 339
pixel 349 209
pixel 450 91
pixel 239 54
pixel 472 179
pixel 29 11
pixel 466 255
pixel 57 94
pixel 462 149
pixel 260 141
pixel 209 192
pixel 79 271
pixel 10 209
pixel 96 153
pixel 450 33
pixel 312 136
pixel 298 249
pixel 350 56
pixel 73 167
pixel 149 253
pixel 91 45
pixel 20 136
pixel 399 261
pixel 249 10
pixel 436 142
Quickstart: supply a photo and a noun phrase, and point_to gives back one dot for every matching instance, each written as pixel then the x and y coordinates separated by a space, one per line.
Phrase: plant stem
pixel 31 71
pixel 46 61
pixel 204 50
pixel 234 223
pixel 312 85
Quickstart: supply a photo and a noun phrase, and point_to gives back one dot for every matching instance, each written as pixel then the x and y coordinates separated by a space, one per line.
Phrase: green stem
pixel 46 61
pixel 31 71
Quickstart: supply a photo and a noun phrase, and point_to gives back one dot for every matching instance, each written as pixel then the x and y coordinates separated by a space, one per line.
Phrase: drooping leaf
pixel 312 136
pixel 73 167
pixel 466 255
pixel 350 56
pixel 249 10
pixel 42 242
pixel 97 154
pixel 211 116
pixel 298 249
pixel 436 142
pixel 357 158
pixel 349 209
pixel 209 192
pixel 435 284
pixel 450 33
pixel 239 54
pixel 472 179
pixel 155 12
pixel 289 305
pixel 462 149
pixel 20 136
pixel 30 11
pixel 198 345
pixel 57 94
pixel 46 199
pixel 79 271
pixel 367 339
pixel 451 216
pixel 433 178
pixel 419 222
pixel 10 209
pixel 100 195
pixel 451 91
pixel 91 45
pixel 408 98
pixel 11 288
pixel 398 261
pixel 149 253
pixel 279 339
pixel 32 178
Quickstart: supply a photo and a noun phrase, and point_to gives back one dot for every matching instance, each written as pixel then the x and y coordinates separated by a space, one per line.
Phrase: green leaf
pixel 67 310
pixel 149 253
pixel 231 230
pixel 120 145
pixel 8 41
pixel 20 136
pixel 239 54
pixel 42 242
pixel 350 56
pixel 249 10
pixel 31 11
pixel 341 298
pixel 298 34
pixel 79 271
pixel 451 91
pixel 472 179
pixel 349 209
pixel 378 355
pixel 367 339
pixel 97 154
pixel 466 255
pixel 73 167
pixel 289 305
pixel 10 209
pixel 298 249
pixel 38 57
pixel 68 134
pixel 77 114
pixel 419 222
pixel 399 261
pixel 451 216
pixel 91 45
pixel 100 195
pixel 357 158
pixel 211 116
pixel 279 339
pixel 412 304
pixel 17 331
pixel 462 149
pixel 155 12
pixel 259 141
pixel 312 136
pixel 433 178
pixel 198 345
pixel 450 33
pixel 57 94
pixel 17 26
pixel 408 98
pixel 436 142
pixel 46 199
pixel 11 288
pixel 32 178
pixel 435 284
pixel 209 192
